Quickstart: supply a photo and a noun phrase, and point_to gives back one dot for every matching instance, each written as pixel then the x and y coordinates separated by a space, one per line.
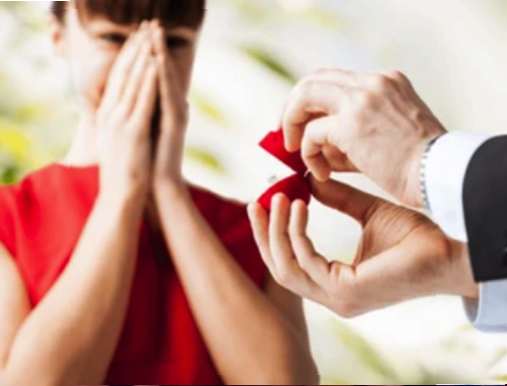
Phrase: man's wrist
pixel 415 185
pixel 423 198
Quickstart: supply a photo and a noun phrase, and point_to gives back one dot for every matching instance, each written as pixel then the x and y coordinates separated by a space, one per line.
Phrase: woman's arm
pixel 71 335
pixel 14 304
pixel 252 339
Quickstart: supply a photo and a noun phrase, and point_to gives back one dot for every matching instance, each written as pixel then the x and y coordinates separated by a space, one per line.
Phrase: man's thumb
pixel 344 198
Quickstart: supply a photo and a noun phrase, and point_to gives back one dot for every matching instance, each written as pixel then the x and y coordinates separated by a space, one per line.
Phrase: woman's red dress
pixel 41 219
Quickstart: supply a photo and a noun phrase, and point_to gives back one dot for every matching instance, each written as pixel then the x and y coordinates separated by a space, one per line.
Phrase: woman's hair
pixel 188 13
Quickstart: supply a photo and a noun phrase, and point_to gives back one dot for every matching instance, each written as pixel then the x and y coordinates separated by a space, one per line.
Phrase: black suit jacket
pixel 485 208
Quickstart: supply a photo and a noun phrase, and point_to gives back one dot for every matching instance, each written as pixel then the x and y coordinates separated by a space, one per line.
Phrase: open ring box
pixel 295 186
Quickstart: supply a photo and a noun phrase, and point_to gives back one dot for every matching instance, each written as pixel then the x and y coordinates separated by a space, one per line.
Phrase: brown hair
pixel 188 13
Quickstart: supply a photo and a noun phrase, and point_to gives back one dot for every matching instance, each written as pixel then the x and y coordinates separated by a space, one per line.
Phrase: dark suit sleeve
pixel 485 208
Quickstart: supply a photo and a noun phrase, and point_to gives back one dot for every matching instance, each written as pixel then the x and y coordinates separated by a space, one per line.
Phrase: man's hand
pixel 402 254
pixel 374 124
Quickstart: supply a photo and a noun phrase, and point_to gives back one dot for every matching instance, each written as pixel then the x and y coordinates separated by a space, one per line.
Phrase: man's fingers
pixel 278 234
pixel 260 227
pixel 288 271
pixel 338 160
pixel 312 263
pixel 345 198
pixel 308 100
pixel 315 139
pixel 294 279
pixel 321 93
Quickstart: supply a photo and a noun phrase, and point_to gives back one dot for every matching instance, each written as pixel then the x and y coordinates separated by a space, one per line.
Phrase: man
pixel 376 124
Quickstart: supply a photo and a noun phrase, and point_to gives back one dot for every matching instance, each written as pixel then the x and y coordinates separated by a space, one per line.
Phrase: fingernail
pixel 298 202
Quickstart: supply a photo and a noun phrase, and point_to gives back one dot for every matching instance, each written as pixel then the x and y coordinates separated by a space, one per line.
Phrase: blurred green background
pixel 251 54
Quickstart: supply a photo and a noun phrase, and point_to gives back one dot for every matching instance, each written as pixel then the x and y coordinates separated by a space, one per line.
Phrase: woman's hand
pixel 402 254
pixel 173 122
pixel 124 119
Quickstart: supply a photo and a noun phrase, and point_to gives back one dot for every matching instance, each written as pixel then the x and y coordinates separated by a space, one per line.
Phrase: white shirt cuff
pixel 446 166
pixel 489 313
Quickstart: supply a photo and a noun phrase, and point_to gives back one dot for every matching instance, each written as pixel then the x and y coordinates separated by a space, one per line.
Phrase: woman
pixel 113 269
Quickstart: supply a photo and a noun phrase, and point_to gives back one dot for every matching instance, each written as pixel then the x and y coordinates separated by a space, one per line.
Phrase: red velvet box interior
pixel 294 187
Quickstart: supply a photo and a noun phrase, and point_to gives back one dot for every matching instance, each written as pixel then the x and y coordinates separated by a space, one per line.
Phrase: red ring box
pixel 294 187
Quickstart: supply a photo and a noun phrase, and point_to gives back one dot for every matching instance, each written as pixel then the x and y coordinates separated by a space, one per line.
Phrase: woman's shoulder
pixel 49 189
pixel 8 199
pixel 229 218
pixel 49 184
pixel 34 183
pixel 12 194
pixel 224 212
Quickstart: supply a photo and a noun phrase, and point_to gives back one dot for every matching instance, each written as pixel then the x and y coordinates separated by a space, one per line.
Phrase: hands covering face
pixel 132 160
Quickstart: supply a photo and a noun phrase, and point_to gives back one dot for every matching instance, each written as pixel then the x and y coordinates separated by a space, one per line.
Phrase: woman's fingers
pixel 136 78
pixel 312 263
pixel 120 73
pixel 173 103
pixel 145 104
pixel 165 64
